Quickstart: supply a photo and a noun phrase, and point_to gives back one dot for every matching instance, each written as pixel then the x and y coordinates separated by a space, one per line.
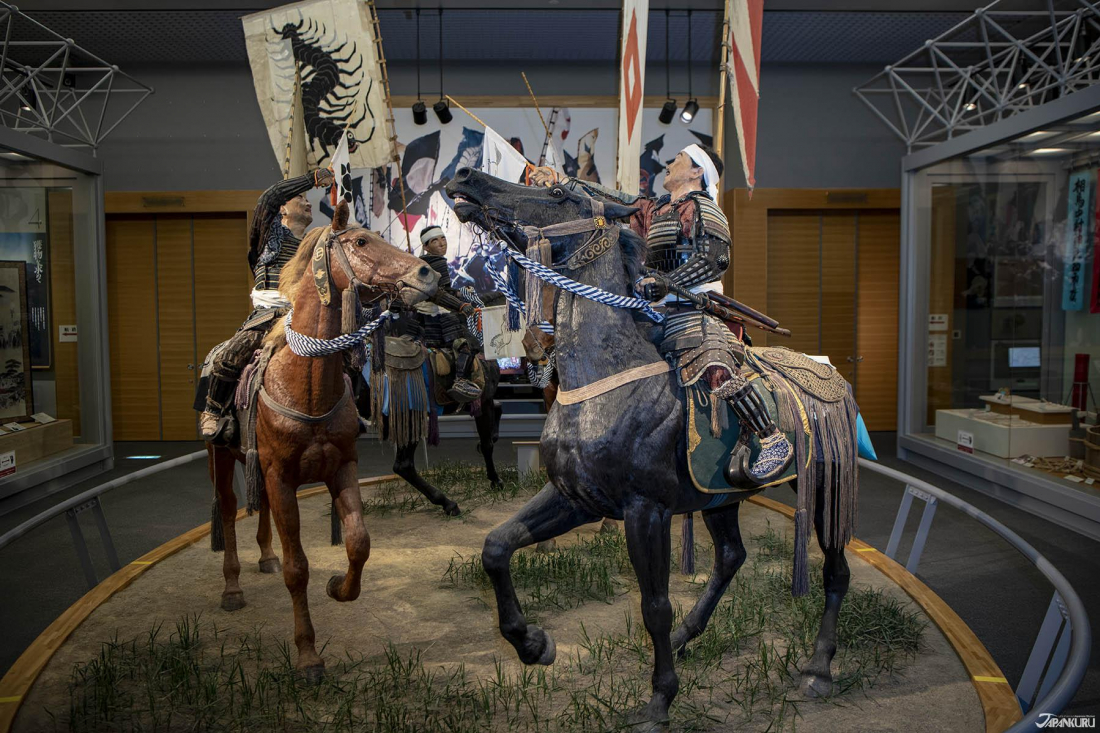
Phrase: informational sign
pixel 937 321
pixel 965 442
pixel 14 427
pixel 7 463
pixel 66 333
pixel 1078 227
pixel 42 418
pixel 937 349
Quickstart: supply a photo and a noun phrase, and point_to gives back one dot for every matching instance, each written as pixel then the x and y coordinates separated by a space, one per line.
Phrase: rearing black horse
pixel 622 454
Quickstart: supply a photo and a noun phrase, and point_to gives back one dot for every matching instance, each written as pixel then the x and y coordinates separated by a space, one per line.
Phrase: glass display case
pixel 54 389
pixel 1001 304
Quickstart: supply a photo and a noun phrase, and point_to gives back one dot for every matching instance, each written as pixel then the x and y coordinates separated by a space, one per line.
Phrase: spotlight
pixel 668 111
pixel 28 100
pixel 420 113
pixel 970 106
pixel 690 109
pixel 442 111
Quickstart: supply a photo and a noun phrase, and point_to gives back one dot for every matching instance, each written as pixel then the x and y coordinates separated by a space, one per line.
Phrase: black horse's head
pixel 505 208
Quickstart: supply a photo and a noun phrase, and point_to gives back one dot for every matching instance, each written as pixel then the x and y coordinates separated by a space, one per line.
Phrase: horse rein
pixel 322 277
pixel 604 236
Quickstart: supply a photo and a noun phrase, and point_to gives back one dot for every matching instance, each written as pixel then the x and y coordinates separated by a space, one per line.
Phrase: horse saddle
pixel 822 381
pixel 404 354
pixel 708 454
pixel 441 361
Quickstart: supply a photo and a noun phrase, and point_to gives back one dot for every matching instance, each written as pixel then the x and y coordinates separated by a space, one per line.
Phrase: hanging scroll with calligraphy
pixel 1078 241
pixel 1094 302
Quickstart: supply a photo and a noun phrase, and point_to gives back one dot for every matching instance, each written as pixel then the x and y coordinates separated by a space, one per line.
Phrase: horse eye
pixel 360 242
pixel 557 191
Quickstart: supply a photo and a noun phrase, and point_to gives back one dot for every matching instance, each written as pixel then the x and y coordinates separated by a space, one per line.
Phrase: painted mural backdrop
pixel 583 146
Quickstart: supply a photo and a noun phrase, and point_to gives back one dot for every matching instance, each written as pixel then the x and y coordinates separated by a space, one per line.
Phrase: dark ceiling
pixel 133 39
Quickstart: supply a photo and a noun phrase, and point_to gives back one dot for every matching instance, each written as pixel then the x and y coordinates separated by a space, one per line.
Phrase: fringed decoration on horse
pixel 349 309
pixel 833 417
pixel 687 551
pixel 433 413
pixel 217 531
pixel 408 398
pixel 513 309
pixel 253 476
pixel 537 291
pixel 378 351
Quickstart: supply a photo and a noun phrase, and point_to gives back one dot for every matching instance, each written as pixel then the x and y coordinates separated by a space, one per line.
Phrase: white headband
pixel 710 173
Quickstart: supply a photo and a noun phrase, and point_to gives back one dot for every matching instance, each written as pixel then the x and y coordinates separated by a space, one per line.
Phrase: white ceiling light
pixel 1051 151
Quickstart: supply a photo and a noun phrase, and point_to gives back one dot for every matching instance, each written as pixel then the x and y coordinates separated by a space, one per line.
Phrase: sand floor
pixel 405 601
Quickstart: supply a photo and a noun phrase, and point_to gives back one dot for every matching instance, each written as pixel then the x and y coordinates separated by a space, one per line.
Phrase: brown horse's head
pixel 374 261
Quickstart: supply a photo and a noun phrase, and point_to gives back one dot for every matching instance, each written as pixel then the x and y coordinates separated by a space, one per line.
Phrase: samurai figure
pixel 278 225
pixel 689 246
pixel 442 318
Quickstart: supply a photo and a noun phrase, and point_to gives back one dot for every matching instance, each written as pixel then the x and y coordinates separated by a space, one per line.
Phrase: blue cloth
pixel 410 398
pixel 866 449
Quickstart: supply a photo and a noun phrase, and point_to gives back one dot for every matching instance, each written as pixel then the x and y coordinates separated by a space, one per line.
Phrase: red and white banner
pixel 746 18
pixel 631 93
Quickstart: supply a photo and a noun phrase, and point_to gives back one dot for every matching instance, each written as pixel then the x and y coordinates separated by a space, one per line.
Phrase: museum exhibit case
pixel 54 390
pixel 1001 296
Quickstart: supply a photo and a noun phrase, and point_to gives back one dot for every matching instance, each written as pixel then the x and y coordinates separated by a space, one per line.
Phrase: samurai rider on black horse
pixel 441 320
pixel 280 221
pixel 689 246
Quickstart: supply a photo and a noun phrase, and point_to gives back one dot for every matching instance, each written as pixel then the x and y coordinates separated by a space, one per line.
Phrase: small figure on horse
pixel 689 247
pixel 278 225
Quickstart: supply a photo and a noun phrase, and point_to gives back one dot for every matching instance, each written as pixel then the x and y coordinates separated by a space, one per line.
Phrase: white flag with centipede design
pixel 332 43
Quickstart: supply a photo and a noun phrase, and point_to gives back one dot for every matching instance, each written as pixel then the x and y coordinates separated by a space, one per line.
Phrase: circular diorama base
pixel 420 649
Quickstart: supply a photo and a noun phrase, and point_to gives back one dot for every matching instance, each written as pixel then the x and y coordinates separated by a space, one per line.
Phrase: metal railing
pixel 1060 656
pixel 89 500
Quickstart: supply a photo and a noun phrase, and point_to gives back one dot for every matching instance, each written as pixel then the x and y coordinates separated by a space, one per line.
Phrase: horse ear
pixel 619 211
pixel 340 216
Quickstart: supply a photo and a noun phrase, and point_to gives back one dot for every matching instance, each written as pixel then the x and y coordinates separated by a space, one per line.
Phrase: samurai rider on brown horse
pixel 302 423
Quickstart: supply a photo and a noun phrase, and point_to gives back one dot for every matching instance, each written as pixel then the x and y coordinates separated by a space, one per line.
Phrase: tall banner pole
pixel 631 93
pixel 720 112
pixel 389 111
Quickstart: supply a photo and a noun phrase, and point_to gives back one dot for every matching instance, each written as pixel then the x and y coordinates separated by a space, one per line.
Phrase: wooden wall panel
pixel 793 257
pixel 838 290
pixel 222 279
pixel 877 311
pixel 59 203
pixel 176 316
pixel 132 321
pixel 747 277
pixel 941 295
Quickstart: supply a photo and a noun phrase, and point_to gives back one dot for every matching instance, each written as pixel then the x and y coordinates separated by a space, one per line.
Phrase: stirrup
pixel 464 390
pixel 776 454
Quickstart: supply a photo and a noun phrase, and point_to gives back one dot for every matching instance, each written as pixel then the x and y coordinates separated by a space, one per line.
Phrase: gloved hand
pixel 544 176
pixel 323 178
pixel 651 288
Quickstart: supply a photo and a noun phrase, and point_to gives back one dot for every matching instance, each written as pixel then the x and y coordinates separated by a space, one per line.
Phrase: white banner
pixel 499 158
pixel 341 172
pixel 331 43
pixel 631 93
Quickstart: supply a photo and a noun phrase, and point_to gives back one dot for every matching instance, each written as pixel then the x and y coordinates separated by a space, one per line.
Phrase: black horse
pixel 622 454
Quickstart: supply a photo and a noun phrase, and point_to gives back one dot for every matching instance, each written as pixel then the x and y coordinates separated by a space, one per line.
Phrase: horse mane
pixel 635 248
pixel 290 280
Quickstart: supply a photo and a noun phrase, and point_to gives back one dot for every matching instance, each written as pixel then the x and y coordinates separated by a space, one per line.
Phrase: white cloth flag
pixel 631 93
pixel 553 158
pixel 341 171
pixel 500 159
pixel 332 44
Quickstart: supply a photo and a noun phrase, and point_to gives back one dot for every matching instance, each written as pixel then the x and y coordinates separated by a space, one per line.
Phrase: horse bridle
pixel 604 236
pixel 322 278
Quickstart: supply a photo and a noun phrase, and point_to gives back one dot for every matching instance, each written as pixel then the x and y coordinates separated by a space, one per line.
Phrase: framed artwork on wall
pixel 16 398
pixel 23 236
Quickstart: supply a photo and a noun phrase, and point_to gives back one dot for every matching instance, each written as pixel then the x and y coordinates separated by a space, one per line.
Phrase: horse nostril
pixel 462 173
pixel 424 272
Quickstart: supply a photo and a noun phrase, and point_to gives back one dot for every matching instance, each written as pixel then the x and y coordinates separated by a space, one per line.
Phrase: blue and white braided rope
pixel 303 345
pixel 509 292
pixel 544 273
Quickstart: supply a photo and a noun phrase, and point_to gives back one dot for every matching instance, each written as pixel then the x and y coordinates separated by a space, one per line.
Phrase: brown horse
pixel 317 444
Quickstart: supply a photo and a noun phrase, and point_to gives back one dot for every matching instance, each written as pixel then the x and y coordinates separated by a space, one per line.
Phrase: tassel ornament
pixel 687 550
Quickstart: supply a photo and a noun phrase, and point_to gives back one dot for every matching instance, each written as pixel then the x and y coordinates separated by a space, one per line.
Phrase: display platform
pixel 421 643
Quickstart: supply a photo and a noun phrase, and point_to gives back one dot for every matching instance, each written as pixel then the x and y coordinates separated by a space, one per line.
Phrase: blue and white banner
pixel 1078 240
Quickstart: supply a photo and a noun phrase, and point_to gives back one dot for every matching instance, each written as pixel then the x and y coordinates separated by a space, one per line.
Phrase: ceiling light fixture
pixel 420 112
pixel 668 110
pixel 692 106
pixel 970 106
pixel 442 111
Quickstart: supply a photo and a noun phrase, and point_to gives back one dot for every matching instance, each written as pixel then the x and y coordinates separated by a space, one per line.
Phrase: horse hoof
pixel 270 565
pixel 333 587
pixel 644 720
pixel 233 601
pixel 814 686
pixel 313 675
pixel 549 649
pixel 546 546
pixel 451 509
pixel 497 485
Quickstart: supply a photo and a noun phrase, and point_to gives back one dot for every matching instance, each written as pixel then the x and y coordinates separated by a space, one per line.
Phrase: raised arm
pixel 266 215
pixel 639 222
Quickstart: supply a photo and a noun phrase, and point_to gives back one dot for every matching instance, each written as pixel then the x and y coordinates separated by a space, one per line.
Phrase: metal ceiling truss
pixel 50 87
pixel 992 65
